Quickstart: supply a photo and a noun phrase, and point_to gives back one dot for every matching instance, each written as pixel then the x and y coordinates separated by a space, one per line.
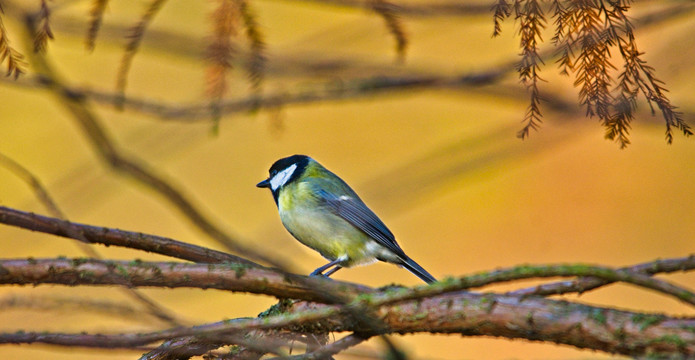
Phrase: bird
pixel 320 210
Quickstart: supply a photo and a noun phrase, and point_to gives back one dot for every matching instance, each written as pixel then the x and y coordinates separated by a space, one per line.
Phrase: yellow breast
pixel 320 229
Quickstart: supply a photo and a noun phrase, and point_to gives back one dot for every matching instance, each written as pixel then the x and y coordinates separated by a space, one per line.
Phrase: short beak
pixel 264 184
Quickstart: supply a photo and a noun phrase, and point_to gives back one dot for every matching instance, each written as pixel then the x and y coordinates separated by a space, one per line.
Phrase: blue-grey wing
pixel 351 208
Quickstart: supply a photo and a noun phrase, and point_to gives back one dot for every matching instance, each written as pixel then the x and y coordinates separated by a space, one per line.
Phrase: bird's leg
pixel 331 271
pixel 320 270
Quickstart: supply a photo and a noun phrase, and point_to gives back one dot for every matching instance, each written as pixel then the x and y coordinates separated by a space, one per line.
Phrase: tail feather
pixel 417 270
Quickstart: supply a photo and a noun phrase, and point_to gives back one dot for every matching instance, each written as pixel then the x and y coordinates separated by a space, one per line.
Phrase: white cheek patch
pixel 281 178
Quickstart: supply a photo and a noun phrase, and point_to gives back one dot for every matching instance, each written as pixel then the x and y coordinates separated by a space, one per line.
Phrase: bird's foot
pixel 318 274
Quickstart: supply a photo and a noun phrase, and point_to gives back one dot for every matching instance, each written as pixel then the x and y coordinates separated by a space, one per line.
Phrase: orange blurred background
pixel 442 168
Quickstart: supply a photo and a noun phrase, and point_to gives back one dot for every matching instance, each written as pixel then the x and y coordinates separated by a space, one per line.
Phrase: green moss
pixel 529 318
pixel 136 262
pixel 86 275
pixel 276 309
pixel 419 315
pixel 598 316
pixel 79 261
pixel 122 270
pixel 239 269
pixel 647 320
pixel 488 301
pixel 363 298
pixel 671 339
pixel 619 334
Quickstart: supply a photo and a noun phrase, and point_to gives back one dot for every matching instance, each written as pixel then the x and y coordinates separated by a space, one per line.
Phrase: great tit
pixel 321 211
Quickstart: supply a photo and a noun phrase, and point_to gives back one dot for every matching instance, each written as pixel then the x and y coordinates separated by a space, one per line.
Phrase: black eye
pixel 273 173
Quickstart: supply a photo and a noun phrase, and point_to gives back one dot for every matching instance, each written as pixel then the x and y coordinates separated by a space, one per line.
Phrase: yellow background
pixel 442 168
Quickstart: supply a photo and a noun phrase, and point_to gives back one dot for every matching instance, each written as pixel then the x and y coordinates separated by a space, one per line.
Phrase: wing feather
pixel 353 210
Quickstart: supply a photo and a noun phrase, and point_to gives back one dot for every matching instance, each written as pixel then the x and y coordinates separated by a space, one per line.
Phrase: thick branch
pixel 470 314
pixel 228 276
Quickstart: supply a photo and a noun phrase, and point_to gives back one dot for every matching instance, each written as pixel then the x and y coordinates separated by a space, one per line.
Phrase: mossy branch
pixel 470 314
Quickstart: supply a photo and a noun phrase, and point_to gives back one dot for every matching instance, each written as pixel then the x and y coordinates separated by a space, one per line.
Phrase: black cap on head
pixel 299 161
pixel 284 163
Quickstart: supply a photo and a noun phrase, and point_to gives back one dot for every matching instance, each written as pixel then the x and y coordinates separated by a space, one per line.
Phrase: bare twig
pixel 115 237
pixel 329 350
pixel 84 305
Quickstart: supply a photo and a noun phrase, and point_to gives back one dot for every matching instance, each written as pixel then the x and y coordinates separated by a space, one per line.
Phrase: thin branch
pixel 329 350
pixel 325 92
pixel 542 271
pixel 38 303
pixel 453 8
pixel 130 340
pixel 584 284
pixel 115 237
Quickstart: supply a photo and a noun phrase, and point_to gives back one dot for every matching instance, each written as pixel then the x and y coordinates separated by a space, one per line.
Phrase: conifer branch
pixel 531 24
pixel 15 60
pixel 585 33
pixel 135 36
pixel 96 17
pixel 221 51
pixel 43 27
pixel 389 12
pixel 257 62
pixel 501 11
